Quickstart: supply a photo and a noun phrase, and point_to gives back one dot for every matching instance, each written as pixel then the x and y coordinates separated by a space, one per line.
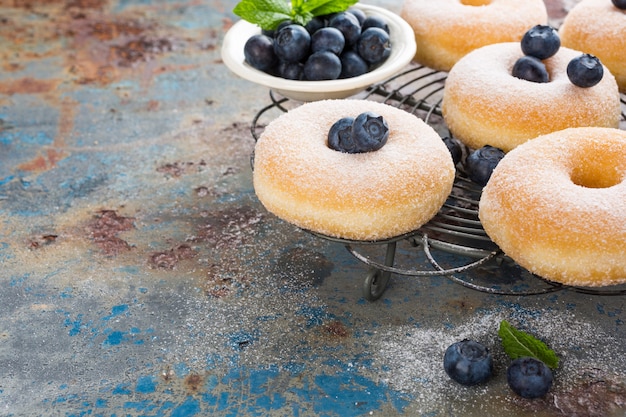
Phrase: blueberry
pixel 283 24
pixel 369 132
pixel 481 163
pixel 340 136
pixel 322 65
pixel 454 146
pixel 468 362
pixel 373 45
pixel 620 4
pixel 258 51
pixel 375 22
pixel 530 69
pixel 585 71
pixel 290 70
pixel 268 32
pixel 358 13
pixel 541 41
pixel 292 43
pixel 315 24
pixel 328 17
pixel 272 32
pixel 328 39
pixel 529 377
pixel 352 65
pixel 348 24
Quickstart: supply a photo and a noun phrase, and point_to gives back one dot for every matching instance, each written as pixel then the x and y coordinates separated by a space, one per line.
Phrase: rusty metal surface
pixel 140 276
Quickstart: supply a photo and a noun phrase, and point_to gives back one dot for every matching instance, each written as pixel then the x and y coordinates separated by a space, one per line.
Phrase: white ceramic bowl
pixel 403 49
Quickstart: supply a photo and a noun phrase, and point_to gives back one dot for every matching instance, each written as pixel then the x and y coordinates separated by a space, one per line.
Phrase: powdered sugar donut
pixel 362 196
pixel 484 104
pixel 446 30
pixel 598 27
pixel 557 206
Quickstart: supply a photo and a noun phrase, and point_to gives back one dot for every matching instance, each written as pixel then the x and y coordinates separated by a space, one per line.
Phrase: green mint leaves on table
pixel 268 14
pixel 517 343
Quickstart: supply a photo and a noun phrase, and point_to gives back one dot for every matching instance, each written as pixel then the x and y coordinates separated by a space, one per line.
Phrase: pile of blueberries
pixel 342 45
pixel 542 42
pixel 470 363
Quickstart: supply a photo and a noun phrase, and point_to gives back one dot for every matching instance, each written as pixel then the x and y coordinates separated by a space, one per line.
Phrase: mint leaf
pixel 323 7
pixel 266 13
pixel 517 343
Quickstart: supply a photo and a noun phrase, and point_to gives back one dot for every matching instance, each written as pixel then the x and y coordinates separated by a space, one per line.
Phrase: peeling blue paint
pixel 74 325
pixel 20 138
pixel 19 281
pixel 146 385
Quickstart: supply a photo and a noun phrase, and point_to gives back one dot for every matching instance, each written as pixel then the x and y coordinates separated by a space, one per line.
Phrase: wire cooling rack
pixel 453 243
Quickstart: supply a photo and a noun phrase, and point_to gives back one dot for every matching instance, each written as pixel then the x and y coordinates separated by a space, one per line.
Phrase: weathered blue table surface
pixel 141 277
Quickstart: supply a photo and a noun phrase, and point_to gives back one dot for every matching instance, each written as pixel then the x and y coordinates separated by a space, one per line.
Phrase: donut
pixel 362 196
pixel 484 104
pixel 446 30
pixel 557 206
pixel 598 27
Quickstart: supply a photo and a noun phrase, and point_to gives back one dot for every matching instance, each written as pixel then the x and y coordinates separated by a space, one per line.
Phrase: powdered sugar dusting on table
pixel 414 356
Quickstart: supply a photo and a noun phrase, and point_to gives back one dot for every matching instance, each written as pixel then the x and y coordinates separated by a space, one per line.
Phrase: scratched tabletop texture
pixel 140 276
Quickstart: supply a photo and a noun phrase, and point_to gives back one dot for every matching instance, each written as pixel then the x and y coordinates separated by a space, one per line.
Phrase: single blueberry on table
pixel 348 24
pixel 374 45
pixel 585 71
pixel 455 148
pixel 620 4
pixel 529 377
pixel 374 22
pixel 369 132
pixel 322 65
pixel 481 162
pixel 530 69
pixel 340 136
pixel 541 42
pixel 468 362
pixel 292 43
pixel 352 65
pixel 258 51
pixel 328 39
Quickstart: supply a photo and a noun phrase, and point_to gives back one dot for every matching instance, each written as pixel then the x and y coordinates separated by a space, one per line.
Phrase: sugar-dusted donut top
pixel 483 101
pixel 492 66
pixel 501 14
pixel 577 175
pixel 598 20
pixel 294 148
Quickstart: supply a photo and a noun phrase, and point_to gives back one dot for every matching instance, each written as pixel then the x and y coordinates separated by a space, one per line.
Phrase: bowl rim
pixel 403 51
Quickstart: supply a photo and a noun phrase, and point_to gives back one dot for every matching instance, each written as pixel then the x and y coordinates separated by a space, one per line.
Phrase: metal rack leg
pixel 376 281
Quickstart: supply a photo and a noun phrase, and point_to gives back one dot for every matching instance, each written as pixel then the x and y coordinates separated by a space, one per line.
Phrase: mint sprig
pixel 268 14
pixel 517 343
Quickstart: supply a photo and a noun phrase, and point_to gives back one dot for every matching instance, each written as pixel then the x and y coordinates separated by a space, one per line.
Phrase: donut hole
pixel 593 172
pixel 475 2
